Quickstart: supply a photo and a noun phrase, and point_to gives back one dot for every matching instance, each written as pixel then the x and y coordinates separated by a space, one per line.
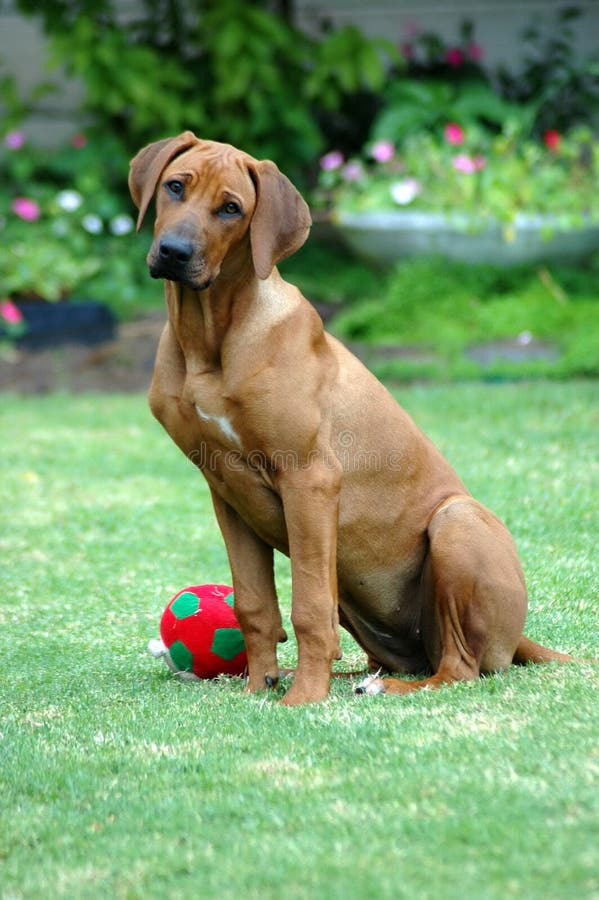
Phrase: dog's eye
pixel 229 209
pixel 175 188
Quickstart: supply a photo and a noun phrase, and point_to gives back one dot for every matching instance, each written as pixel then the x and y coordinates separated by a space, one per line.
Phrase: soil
pixel 123 365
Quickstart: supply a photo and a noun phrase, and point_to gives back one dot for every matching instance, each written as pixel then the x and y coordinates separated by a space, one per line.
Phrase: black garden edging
pixel 65 322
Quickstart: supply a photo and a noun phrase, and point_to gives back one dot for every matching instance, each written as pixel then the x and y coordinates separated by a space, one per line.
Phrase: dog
pixel 305 452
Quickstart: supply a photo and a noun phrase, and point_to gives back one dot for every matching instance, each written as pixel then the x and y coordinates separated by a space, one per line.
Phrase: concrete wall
pixel 24 51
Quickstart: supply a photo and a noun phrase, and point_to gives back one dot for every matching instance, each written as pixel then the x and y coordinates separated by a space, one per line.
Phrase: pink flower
pixel 26 209
pixel 352 171
pixel 331 161
pixel 407 50
pixel 14 140
pixel 383 151
pixel 454 57
pixel 475 52
pixel 552 139
pixel 468 164
pixel 78 141
pixel 10 313
pixel 454 133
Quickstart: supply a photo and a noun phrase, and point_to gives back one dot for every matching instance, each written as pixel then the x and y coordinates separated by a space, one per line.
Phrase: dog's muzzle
pixel 171 258
pixel 176 258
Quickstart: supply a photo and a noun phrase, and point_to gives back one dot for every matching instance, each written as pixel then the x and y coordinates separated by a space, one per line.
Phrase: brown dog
pixel 306 452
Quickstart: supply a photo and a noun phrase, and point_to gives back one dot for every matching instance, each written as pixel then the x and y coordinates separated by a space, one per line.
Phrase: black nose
pixel 175 250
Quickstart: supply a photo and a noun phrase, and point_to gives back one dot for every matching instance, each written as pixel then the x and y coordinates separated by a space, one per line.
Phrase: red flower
pixel 552 139
pixel 454 133
pixel 454 57
pixel 10 313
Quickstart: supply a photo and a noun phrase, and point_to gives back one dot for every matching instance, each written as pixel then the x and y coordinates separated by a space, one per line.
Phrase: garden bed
pixel 123 364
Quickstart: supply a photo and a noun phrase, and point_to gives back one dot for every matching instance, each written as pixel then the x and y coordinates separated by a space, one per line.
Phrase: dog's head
pixel 214 203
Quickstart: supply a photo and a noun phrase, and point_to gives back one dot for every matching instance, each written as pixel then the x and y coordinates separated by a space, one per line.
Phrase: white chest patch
pixel 222 422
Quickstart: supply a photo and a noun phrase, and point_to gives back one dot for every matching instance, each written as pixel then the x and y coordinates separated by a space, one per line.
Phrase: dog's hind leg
pixel 474 598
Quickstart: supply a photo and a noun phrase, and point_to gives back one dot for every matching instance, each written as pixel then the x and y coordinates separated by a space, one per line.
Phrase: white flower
pixel 69 200
pixel 92 223
pixel 525 338
pixel 121 224
pixel 403 192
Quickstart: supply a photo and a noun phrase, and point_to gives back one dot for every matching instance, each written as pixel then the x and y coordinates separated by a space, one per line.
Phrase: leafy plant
pixel 412 106
pixel 472 171
pixel 345 62
pixel 16 105
pixel 558 85
pixel 428 55
pixel 233 71
pixel 63 220
pixel 441 309
pixel 563 84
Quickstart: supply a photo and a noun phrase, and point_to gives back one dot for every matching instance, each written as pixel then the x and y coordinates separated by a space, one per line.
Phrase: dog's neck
pixel 202 319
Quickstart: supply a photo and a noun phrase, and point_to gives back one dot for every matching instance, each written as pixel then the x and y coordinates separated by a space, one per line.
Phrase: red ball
pixel 201 632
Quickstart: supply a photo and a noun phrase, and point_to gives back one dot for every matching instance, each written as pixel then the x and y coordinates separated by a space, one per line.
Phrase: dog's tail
pixel 528 651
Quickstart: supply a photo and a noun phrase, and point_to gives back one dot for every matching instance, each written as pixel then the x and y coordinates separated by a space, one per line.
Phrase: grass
pixel 119 781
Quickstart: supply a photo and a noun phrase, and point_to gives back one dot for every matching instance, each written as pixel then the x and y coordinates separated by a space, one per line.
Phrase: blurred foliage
pixel 440 310
pixel 563 85
pixel 241 72
pixel 411 106
pixel 230 70
pixel 523 142
pixel 65 225
pixel 551 86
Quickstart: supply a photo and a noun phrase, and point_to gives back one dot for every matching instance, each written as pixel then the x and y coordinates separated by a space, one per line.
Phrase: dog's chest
pixel 215 414
pixel 232 466
pixel 220 425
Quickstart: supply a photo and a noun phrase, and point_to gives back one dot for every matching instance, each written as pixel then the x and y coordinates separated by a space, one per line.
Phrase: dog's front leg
pixel 256 604
pixel 310 496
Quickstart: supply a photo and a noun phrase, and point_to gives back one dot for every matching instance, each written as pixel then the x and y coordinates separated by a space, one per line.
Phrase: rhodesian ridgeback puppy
pixel 306 452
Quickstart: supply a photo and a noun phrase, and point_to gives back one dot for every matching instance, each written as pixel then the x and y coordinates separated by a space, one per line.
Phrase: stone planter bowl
pixel 384 237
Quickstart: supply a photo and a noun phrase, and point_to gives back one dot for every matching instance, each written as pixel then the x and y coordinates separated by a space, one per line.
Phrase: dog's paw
pixel 370 685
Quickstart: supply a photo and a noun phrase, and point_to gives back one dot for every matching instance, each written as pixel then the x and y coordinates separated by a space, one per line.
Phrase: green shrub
pixel 67 227
pixel 233 71
pixel 446 309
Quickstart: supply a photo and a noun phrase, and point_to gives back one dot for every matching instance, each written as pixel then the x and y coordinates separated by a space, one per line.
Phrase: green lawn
pixel 119 781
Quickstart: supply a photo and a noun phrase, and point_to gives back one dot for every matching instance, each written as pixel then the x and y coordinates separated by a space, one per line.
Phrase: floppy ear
pixel 149 164
pixel 281 219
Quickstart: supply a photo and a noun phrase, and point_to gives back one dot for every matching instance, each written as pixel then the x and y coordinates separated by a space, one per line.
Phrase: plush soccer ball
pixel 200 635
